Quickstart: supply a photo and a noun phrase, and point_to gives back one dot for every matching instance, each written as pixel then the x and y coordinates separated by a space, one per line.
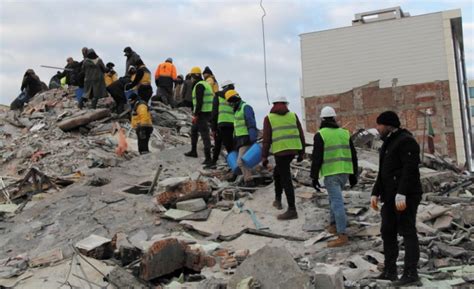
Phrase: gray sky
pixel 224 35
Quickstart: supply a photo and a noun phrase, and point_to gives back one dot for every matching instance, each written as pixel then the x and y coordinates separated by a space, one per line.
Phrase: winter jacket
pixel 318 153
pixel 165 75
pixel 72 73
pixel 398 167
pixel 32 85
pixel 281 109
pixel 141 115
pixel 141 78
pixel 117 88
pixel 213 82
pixel 251 138
pixel 187 92
pixel 132 59
pixel 110 77
pixel 94 84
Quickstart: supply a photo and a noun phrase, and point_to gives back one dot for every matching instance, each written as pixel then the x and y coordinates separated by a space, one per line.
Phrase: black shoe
pixel 277 205
pixel 211 165
pixel 290 214
pixel 207 162
pixel 390 276
pixel 407 280
pixel 192 154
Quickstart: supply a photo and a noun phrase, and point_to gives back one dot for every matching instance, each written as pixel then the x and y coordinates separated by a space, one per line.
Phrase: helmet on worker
pixel 232 95
pixel 327 112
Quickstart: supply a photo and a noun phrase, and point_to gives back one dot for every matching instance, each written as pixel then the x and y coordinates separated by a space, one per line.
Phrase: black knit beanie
pixel 389 118
pixel 207 70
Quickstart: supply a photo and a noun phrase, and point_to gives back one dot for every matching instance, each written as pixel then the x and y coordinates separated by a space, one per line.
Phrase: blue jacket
pixel 251 126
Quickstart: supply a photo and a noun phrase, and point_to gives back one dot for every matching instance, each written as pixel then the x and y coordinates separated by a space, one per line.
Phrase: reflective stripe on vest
pixel 146 78
pixel 285 133
pixel 207 99
pixel 337 157
pixel 226 113
pixel 240 128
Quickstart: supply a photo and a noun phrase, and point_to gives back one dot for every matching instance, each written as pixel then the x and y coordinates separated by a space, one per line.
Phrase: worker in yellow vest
pixel 335 159
pixel 141 82
pixel 284 137
pixel 245 131
pixel 202 96
pixel 110 75
pixel 141 122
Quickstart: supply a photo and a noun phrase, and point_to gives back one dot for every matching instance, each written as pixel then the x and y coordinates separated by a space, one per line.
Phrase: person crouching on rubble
pixel 141 122
pixel 335 157
pixel 283 132
pixel 398 187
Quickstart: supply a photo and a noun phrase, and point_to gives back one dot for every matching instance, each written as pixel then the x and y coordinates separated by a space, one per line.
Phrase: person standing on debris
pixel 30 86
pixel 141 122
pixel 71 72
pixel 94 84
pixel 282 132
pixel 398 187
pixel 132 58
pixel 335 158
pixel 178 89
pixel 202 106
pixel 165 76
pixel 110 75
pixel 187 92
pixel 141 82
pixel 210 78
pixel 222 122
pixel 245 131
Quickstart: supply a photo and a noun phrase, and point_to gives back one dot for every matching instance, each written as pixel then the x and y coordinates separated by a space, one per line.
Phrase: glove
pixel 352 180
pixel 264 162
pixel 195 119
pixel 316 185
pixel 374 202
pixel 300 158
pixel 400 202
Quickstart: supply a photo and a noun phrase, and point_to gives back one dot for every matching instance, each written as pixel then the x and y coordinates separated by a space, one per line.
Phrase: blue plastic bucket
pixel 253 156
pixel 129 93
pixel 232 162
pixel 79 92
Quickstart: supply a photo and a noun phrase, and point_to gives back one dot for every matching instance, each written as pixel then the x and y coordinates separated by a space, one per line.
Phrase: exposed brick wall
pixel 359 108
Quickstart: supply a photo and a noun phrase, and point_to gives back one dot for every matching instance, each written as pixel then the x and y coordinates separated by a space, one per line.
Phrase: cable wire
pixel 264 51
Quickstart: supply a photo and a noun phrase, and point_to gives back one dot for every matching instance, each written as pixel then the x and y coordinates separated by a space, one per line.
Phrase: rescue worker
pixel 94 84
pixel 30 86
pixel 141 82
pixel 335 158
pixel 132 58
pixel 117 91
pixel 282 132
pixel 110 75
pixel 141 122
pixel 245 131
pixel 202 106
pixel 222 122
pixel 71 72
pixel 210 78
pixel 165 76
pixel 187 92
pixel 178 89
pixel 398 187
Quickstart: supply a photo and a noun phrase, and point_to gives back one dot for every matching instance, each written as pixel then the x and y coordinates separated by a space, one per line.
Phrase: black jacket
pixel 398 167
pixel 32 84
pixel 318 154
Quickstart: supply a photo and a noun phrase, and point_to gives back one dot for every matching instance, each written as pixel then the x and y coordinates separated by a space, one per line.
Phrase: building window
pixel 471 92
pixel 472 111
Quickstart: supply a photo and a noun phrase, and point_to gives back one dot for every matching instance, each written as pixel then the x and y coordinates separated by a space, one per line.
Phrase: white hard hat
pixel 227 83
pixel 328 111
pixel 280 99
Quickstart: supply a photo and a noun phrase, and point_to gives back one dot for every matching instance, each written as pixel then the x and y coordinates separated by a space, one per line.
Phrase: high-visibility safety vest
pixel 207 99
pixel 240 128
pixel 285 133
pixel 146 79
pixel 141 115
pixel 337 158
pixel 226 113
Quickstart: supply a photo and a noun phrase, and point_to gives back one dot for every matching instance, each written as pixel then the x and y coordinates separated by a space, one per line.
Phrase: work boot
pixel 192 154
pixel 408 279
pixel 207 161
pixel 290 214
pixel 277 205
pixel 388 275
pixel 341 240
pixel 211 165
pixel 331 229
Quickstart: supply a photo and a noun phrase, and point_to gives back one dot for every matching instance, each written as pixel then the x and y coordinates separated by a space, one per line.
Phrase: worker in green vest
pixel 335 159
pixel 222 122
pixel 245 131
pixel 202 96
pixel 282 132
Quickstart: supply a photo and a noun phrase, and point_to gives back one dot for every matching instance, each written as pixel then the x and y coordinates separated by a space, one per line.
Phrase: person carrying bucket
pixel 282 132
pixel 245 131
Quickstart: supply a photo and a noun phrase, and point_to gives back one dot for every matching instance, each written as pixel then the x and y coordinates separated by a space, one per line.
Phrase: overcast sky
pixel 224 35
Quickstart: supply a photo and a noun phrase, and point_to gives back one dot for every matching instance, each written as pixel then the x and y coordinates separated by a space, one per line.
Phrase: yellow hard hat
pixel 230 93
pixel 195 70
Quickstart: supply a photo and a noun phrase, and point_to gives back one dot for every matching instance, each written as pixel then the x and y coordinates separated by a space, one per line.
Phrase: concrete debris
pixel 47 258
pixel 96 247
pixel 83 119
pixel 194 205
pixel 328 276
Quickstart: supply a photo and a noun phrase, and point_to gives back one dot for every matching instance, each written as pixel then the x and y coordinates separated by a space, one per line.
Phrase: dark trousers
pixel 224 134
pixel 145 92
pixel 403 223
pixel 165 95
pixel 143 136
pixel 120 100
pixel 201 128
pixel 282 179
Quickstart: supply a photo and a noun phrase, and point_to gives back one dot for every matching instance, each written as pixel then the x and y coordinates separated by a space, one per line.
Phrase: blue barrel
pixel 232 162
pixel 79 92
pixel 253 156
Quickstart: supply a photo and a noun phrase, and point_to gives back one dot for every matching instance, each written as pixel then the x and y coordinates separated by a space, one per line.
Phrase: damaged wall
pixel 359 107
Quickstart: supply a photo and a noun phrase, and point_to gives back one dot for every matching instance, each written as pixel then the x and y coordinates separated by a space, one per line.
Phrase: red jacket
pixel 281 109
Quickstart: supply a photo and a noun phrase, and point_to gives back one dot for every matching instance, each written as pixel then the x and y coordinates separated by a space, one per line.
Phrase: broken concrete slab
pixel 47 258
pixel 171 183
pixel 370 231
pixel 328 276
pixel 96 247
pixel 321 236
pixel 83 118
pixel 430 212
pixel 193 205
pixel 272 267
pixel 198 216
pixel 443 222
pixel 450 251
pixel 121 278
pixel 174 214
